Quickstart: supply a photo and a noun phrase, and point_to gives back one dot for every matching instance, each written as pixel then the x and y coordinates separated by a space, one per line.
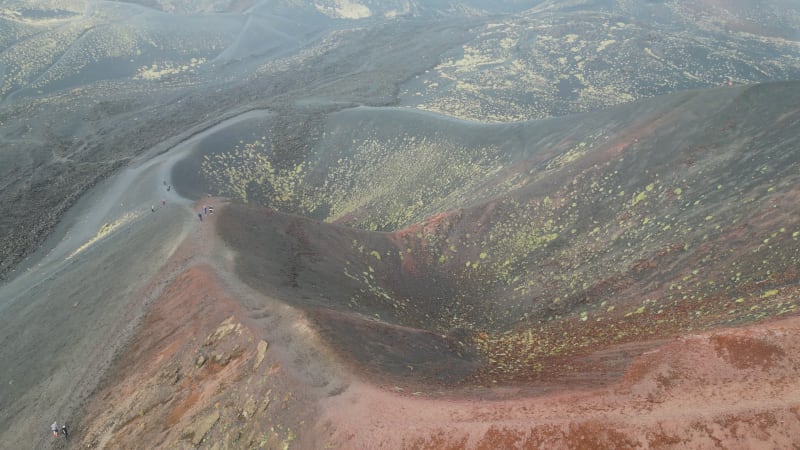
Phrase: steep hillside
pixel 565 57
pixel 644 221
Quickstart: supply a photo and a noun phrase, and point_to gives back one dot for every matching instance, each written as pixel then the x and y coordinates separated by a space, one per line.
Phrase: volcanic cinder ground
pixel 638 294
pixel 395 259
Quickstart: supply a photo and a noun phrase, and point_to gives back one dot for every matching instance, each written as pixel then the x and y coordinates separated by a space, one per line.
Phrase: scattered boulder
pixel 261 349
pixel 249 408
pixel 172 373
pixel 227 327
pixel 202 427
pixel 222 358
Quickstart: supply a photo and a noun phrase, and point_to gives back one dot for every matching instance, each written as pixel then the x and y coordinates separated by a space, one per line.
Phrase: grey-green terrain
pixel 88 86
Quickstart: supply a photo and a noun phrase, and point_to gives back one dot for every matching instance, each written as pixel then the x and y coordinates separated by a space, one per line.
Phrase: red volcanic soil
pixel 727 389
pixel 217 365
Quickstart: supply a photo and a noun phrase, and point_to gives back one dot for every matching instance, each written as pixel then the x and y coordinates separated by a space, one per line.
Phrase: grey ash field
pixel 455 197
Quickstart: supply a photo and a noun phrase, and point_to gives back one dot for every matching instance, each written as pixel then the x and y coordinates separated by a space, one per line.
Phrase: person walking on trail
pixel 54 429
pixel 64 430
pixel 200 216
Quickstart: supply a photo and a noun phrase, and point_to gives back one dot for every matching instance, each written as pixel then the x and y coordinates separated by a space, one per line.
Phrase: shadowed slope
pixel 656 218
pixel 387 319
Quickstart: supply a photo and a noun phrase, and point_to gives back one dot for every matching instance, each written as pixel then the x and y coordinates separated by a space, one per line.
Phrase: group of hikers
pixel 206 210
pixel 54 429
pixel 163 202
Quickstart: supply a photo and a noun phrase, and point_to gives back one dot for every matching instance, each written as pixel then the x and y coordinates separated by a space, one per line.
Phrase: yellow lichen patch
pixel 638 198
pixel 604 44
pixel 248 170
pixel 344 9
pixel 569 156
pixel 378 178
pixel 104 231
pixel 156 71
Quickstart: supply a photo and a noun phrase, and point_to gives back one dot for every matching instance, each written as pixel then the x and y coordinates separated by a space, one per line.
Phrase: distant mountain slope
pixel 87 86
pixel 350 9
pixel 565 57
pixel 126 42
pixel 662 216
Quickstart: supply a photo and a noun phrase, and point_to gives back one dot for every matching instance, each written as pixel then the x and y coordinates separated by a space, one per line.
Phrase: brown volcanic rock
pixel 190 375
pixel 730 387
pixel 157 386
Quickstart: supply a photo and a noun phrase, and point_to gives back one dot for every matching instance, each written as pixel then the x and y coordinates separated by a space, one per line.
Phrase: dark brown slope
pixel 642 222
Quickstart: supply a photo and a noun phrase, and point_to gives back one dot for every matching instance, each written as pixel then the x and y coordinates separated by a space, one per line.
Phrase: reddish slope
pixel 200 369
pixel 199 373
